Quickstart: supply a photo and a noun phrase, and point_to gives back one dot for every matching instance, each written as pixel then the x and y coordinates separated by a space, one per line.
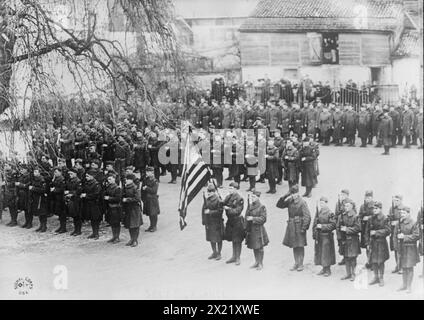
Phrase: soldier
pixel 112 198
pixel 311 120
pixel 251 163
pixel 22 196
pixel 297 225
pixel 396 125
pixel 149 196
pixel 272 159
pixel 38 199
pixel 80 171
pixel 204 115
pixel 234 229
pixel 67 145
pixel 238 117
pixel 322 232
pixel 80 143
pixel 131 204
pixel 212 220
pixel 92 155
pixel 256 235
pixel 325 123
pixel 366 211
pixel 285 119
pixel 338 126
pixel 273 118
pixel 350 125
pixel 122 157
pixel 385 131
pixel 153 146
pixel 57 187
pixel 297 120
pixel 227 116
pixel 342 199
pixel 279 143
pixel 419 127
pixel 394 218
pixel 364 125
pixel 249 117
pixel 90 195
pixel 217 159
pixel 216 115
pixel 307 157
pixel 377 229
pixel 291 163
pixel 407 234
pixel 376 117
pixel 349 227
pixel 407 125
pixel 141 154
pixel 72 201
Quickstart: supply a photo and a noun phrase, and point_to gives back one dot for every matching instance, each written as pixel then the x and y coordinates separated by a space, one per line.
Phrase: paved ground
pixel 172 264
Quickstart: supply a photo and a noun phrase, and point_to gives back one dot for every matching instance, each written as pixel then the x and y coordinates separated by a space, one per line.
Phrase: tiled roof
pixel 409 44
pixel 275 15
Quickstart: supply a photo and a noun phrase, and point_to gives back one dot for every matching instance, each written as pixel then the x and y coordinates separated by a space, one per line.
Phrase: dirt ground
pixel 173 264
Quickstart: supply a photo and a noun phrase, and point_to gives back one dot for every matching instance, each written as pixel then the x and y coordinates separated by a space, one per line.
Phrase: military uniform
pixel 407 126
pixel 325 123
pixel 291 165
pixel 350 125
pixel 114 210
pixel 90 205
pixel 38 201
pixel 234 228
pixel 150 198
pixel 350 245
pixel 309 173
pixel 325 253
pixel 272 160
pixel 22 197
pixel 72 201
pixel 256 235
pixel 131 205
pixel 338 128
pixel 377 243
pixel 385 132
pixel 298 223
pixel 364 126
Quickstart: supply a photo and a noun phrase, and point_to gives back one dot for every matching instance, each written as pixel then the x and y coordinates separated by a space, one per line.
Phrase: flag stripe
pixel 196 174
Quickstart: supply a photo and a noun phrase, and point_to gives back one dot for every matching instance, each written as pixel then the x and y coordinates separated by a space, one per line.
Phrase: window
pixel 330 48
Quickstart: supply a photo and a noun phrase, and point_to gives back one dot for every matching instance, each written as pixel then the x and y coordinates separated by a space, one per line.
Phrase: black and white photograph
pixel 211 150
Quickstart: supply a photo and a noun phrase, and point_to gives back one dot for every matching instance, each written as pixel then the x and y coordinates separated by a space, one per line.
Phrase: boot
pixel 321 272
pixel 342 262
pixel 404 281
pixel 44 224
pixel 255 265
pixel 113 235
pixel 261 260
pixel 233 258
pixel 96 231
pixel 62 226
pixel 409 280
pixel 348 271
pixel 131 237
pixel 376 278
pixel 238 253
pixel 40 226
pixel 117 233
pixel 135 239
pixel 327 272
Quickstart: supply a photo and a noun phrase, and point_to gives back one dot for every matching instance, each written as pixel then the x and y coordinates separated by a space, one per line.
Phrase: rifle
pixel 400 245
pixel 247 223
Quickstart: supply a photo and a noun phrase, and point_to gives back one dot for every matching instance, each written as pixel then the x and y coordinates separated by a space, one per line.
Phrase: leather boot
pixel 233 258
pixel 260 259
pixel 117 233
pixel 404 280
pixel 113 235
pixel 238 253
pixel 131 231
pixel 255 265
pixel 409 280
pixel 376 278
pixel 381 275
pixel 44 225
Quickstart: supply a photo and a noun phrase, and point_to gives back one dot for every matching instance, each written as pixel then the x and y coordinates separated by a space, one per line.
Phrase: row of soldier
pixel 83 194
pixel 367 229
pixel 323 121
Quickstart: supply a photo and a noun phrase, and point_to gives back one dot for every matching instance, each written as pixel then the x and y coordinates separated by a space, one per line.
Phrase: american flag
pixel 196 173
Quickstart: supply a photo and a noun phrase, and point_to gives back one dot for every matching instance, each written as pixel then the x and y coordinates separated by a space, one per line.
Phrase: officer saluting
pixel 297 225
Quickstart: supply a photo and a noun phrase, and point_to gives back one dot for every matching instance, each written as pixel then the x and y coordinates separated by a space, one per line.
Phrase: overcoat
pixel 298 221
pixel 113 204
pixel 234 228
pixel 150 197
pixel 72 197
pixel 91 203
pixel 379 249
pixel 38 197
pixel 325 252
pixel 408 250
pixel 213 222
pixel 132 207
pixel 350 246
pixel 256 235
